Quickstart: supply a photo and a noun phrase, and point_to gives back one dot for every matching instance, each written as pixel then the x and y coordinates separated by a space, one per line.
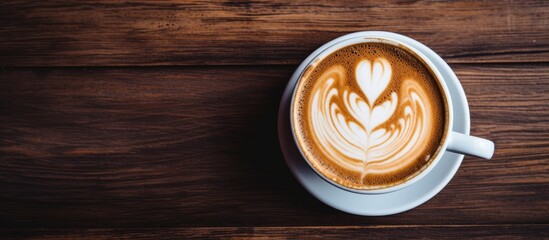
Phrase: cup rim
pixel 381 37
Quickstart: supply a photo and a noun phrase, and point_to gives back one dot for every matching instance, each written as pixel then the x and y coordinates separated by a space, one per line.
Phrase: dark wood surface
pixel 480 232
pixel 106 33
pixel 158 119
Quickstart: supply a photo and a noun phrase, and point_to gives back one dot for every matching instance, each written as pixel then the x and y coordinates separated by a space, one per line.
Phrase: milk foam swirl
pixel 359 133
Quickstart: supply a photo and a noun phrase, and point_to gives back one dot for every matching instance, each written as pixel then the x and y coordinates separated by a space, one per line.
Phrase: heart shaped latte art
pixel 354 129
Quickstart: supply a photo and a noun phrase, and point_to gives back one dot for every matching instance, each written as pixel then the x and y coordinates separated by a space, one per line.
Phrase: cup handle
pixel 470 145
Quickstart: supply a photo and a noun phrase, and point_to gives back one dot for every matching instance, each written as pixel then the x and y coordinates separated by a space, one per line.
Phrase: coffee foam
pixel 369 116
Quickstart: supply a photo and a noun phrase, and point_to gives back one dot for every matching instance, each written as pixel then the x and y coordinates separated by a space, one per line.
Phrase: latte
pixel 369 116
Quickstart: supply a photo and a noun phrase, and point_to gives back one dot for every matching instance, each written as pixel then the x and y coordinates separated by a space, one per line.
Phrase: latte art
pixel 360 142
pixel 368 116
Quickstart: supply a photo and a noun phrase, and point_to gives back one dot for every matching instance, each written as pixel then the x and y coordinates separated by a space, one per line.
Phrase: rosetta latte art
pixel 362 133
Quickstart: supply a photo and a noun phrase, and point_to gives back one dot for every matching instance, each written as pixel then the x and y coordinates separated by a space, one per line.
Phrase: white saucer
pixel 376 204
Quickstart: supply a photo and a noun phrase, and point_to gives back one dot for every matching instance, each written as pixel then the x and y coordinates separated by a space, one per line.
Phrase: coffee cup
pixel 363 76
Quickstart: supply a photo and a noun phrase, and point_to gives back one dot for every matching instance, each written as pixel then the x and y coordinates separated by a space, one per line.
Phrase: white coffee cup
pixel 452 141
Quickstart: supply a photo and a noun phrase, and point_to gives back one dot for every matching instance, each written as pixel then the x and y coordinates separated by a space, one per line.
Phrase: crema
pixel 369 116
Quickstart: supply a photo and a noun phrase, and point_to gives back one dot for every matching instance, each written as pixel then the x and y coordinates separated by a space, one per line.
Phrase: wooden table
pixel 157 119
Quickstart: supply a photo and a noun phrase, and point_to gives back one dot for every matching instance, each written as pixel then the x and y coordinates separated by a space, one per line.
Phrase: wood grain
pixel 121 33
pixel 197 146
pixel 347 232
